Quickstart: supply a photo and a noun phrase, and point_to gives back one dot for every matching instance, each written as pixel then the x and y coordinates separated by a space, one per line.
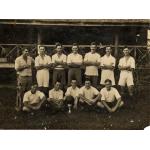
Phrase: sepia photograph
pixel 74 74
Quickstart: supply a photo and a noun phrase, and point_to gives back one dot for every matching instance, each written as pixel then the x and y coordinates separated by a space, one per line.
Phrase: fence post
pixel 116 45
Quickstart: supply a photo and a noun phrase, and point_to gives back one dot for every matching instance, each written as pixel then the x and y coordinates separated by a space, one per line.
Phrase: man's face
pixel 25 52
pixel 57 86
pixel 126 51
pixel 74 49
pixel 108 50
pixel 41 50
pixel 87 84
pixel 59 49
pixel 33 89
pixel 73 83
pixel 108 85
pixel 93 48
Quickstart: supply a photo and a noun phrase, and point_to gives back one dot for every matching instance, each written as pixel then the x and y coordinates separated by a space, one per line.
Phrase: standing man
pixel 74 61
pixel 56 98
pixel 110 97
pixel 33 99
pixel 72 95
pixel 126 66
pixel 92 62
pixel 23 66
pixel 89 95
pixel 59 62
pixel 43 64
pixel 108 63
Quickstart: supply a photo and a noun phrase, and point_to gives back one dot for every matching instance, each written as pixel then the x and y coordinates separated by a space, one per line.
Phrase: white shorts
pixel 126 78
pixel 107 74
pixel 42 77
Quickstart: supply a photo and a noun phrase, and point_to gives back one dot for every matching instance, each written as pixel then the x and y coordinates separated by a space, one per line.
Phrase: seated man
pixel 72 95
pixel 110 97
pixel 89 95
pixel 56 96
pixel 33 99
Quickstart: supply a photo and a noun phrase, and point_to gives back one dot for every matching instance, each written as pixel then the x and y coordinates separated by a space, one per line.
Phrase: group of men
pixel 76 94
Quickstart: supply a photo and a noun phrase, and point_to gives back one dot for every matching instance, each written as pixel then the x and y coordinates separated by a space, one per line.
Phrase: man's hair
pixel 57 81
pixel 23 49
pixel 41 47
pixel 125 47
pixel 93 43
pixel 75 44
pixel 73 80
pixel 108 46
pixel 87 79
pixel 108 80
pixel 58 44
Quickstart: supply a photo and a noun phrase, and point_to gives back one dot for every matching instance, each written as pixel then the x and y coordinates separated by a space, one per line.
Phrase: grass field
pixel 134 115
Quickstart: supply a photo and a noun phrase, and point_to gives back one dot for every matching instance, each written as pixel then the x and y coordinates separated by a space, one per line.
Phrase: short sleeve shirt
pixel 58 95
pixel 42 61
pixel 123 62
pixel 108 60
pixel 59 58
pixel 109 96
pixel 88 93
pixel 20 62
pixel 92 57
pixel 33 98
pixel 72 92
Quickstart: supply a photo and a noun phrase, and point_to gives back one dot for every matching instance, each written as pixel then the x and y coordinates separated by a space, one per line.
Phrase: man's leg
pixel 55 76
pixel 131 90
pixel 69 102
pixel 63 78
pixel 78 76
pixel 70 76
pixel 94 81
pixel 21 88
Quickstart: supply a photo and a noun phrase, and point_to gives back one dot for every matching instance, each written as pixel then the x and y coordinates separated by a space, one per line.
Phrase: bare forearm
pixel 107 107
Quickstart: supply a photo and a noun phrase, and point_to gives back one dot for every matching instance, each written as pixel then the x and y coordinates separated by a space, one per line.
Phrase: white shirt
pixel 123 62
pixel 88 93
pixel 108 60
pixel 40 61
pixel 59 58
pixel 109 96
pixel 33 98
pixel 74 58
pixel 92 57
pixel 20 62
pixel 72 92
pixel 57 95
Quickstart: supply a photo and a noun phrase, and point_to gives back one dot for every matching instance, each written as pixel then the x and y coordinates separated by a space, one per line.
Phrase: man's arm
pixel 97 98
pixel 110 67
pixel 85 99
pixel 117 105
pixel 107 107
pixel 76 103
